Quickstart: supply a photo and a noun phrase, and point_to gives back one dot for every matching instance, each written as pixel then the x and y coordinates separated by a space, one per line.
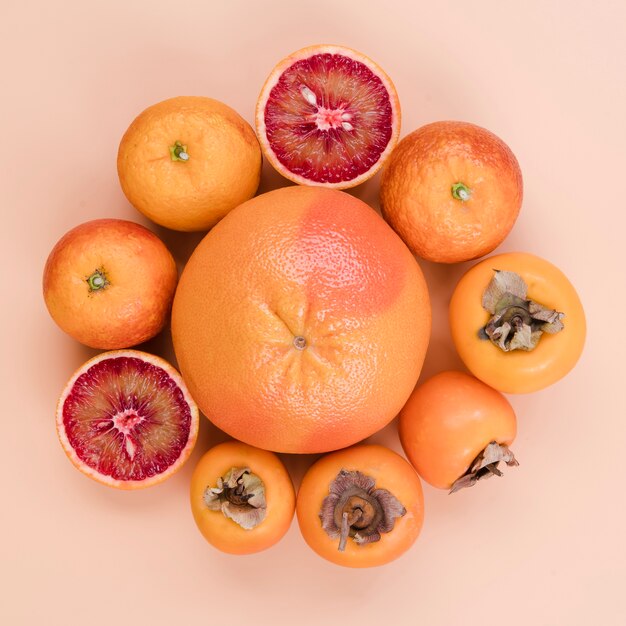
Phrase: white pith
pixel 103 478
pixel 273 80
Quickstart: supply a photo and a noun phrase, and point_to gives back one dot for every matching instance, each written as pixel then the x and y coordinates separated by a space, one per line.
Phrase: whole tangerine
pixel 452 191
pixel 187 161
pixel 109 284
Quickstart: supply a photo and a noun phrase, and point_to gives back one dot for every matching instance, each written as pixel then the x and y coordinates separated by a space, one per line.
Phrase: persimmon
pixel 455 430
pixel 242 498
pixel 361 506
pixel 517 322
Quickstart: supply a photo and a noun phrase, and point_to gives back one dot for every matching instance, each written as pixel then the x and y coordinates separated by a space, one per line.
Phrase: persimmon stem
pixel 345 529
pixel 517 322
pixel 485 465
pixel 355 509
pixel 239 496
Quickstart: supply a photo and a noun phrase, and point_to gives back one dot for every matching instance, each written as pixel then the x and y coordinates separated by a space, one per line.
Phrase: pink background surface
pixel 545 544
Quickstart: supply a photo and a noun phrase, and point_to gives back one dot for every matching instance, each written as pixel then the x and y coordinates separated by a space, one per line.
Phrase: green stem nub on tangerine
pixel 461 192
pixel 97 280
pixel 178 152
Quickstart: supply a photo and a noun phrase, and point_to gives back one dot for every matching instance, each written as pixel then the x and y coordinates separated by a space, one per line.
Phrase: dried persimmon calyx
pixel 516 322
pixel 240 496
pixel 485 465
pixel 355 509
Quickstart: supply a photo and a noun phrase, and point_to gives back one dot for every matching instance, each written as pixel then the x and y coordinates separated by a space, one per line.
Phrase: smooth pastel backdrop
pixel 545 544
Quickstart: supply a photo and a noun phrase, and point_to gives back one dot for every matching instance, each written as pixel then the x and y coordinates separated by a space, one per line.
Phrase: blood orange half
pixel 126 419
pixel 329 116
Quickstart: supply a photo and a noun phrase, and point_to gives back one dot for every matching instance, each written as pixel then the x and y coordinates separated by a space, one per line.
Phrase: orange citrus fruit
pixel 301 321
pixel 328 115
pixel 109 283
pixel 187 161
pixel 452 191
pixel 126 420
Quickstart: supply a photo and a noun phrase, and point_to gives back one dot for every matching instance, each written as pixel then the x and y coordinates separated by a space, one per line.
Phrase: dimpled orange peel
pixel 301 321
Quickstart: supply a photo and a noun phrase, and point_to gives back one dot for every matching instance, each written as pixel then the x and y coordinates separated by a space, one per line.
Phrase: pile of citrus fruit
pixel 301 321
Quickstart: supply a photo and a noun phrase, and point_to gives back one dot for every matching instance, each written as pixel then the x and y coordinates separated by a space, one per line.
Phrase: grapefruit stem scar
pixel 461 192
pixel 178 152
pixel 299 342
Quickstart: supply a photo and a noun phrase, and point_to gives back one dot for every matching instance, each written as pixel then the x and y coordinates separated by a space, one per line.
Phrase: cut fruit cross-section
pixel 126 419
pixel 329 116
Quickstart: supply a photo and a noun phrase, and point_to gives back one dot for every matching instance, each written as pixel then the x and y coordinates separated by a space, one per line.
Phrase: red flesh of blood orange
pixel 126 419
pixel 328 116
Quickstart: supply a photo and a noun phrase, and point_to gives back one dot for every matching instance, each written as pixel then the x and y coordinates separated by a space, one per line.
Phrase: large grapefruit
pixel 301 321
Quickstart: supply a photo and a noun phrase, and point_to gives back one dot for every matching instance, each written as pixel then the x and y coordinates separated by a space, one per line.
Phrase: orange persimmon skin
pixel 391 472
pixel 224 533
pixel 517 371
pixel 448 421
